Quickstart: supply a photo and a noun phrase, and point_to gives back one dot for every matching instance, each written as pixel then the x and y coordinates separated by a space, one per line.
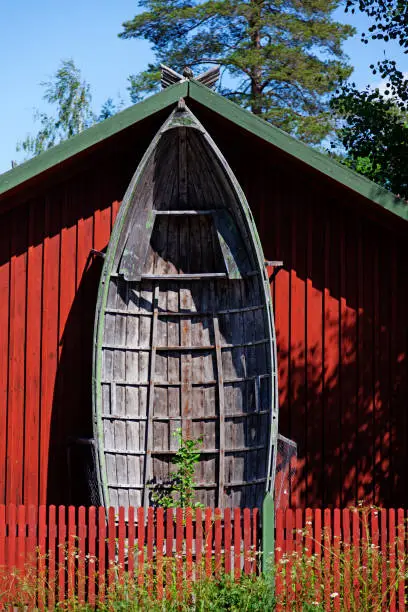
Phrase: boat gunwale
pixel 242 209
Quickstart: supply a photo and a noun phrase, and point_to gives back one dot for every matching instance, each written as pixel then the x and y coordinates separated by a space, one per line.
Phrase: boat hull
pixel 184 335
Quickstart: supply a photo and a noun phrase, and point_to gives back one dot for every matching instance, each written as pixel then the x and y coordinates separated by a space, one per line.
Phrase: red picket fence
pixel 69 552
pixel 347 557
pixel 342 558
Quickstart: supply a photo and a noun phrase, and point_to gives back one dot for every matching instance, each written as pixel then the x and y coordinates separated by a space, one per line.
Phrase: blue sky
pixel 35 36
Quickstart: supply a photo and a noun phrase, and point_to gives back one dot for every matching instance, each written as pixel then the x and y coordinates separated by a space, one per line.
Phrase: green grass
pixel 250 593
pixel 363 578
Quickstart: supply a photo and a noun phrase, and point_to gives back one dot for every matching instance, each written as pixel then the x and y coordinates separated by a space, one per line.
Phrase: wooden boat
pixel 184 334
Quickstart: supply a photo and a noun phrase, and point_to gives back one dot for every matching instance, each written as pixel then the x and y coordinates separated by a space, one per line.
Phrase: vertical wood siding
pixel 340 309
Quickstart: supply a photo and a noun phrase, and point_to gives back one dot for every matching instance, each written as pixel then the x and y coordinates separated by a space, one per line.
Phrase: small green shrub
pixel 179 492
pixel 252 594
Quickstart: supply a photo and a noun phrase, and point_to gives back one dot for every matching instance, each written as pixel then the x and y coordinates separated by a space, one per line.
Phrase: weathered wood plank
pixel 192 314
pixel 184 213
pixel 160 432
pixel 185 345
pixel 184 276
pixel 205 451
pixel 117 392
pixel 131 393
pixel 117 347
pixel 221 414
pixel 149 432
pixel 173 359
pixel 136 246
pixel 200 418
pixel 200 485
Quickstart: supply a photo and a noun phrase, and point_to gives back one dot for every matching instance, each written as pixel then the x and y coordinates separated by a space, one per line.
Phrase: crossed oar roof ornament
pixel 170 77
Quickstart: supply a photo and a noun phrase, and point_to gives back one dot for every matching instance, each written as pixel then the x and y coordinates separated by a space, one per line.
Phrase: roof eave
pixel 18 176
pixel 297 149
pixel 90 137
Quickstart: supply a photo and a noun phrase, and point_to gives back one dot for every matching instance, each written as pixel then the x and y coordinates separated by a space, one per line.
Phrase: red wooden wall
pixel 340 301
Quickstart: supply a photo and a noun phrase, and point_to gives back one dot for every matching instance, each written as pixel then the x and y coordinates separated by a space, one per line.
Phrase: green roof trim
pixel 90 137
pixel 227 109
pixel 283 141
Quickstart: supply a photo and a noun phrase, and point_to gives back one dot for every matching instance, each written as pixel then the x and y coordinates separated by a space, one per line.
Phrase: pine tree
pixel 280 58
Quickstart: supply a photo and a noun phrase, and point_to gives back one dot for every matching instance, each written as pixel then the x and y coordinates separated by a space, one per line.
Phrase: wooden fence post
pixel 268 533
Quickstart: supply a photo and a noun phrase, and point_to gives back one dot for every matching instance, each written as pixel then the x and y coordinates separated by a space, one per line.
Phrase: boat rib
pixel 184 335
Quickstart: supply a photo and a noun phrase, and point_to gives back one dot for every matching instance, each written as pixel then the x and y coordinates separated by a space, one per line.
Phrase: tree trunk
pixel 256 72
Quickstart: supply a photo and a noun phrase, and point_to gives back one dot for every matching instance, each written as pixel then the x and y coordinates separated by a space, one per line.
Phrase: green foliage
pixel 70 95
pixel 179 492
pixel 249 594
pixel 373 125
pixel 390 19
pixel 279 58
pixel 222 594
pixel 374 133
pixel 252 594
pixel 109 108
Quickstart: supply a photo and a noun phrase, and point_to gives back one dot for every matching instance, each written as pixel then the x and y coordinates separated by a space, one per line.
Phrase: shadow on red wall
pixel 340 307
pixel 71 469
pixel 342 388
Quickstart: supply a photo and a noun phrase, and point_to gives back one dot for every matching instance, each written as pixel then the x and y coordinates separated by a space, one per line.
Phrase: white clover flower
pixel 334 595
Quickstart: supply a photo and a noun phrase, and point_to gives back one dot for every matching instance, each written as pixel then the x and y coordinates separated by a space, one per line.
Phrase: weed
pixel 179 492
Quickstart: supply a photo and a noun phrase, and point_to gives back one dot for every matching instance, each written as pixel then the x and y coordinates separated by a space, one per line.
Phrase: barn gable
pixel 340 302
pixel 205 97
